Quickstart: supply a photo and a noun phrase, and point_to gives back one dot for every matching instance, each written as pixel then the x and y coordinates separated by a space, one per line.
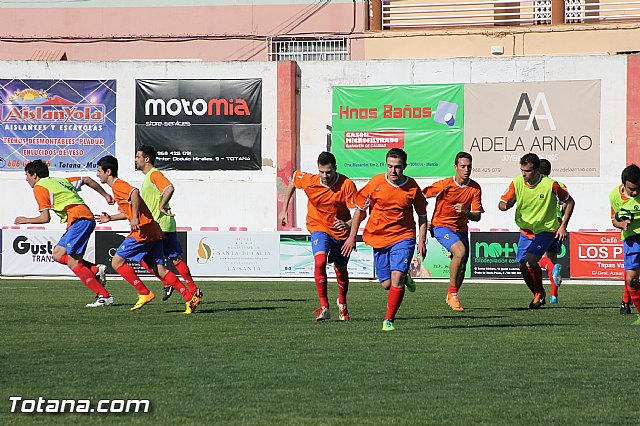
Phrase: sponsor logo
pixel 32 106
pixel 199 107
pixel 205 252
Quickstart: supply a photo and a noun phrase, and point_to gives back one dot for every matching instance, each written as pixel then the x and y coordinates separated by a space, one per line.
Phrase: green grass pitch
pixel 252 354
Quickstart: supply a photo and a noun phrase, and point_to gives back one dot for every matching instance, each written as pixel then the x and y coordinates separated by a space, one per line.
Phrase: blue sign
pixel 70 124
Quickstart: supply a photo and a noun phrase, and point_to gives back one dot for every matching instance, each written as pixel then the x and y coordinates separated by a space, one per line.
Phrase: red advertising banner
pixel 597 255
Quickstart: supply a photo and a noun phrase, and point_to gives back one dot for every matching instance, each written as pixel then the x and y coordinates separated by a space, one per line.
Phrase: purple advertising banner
pixel 70 124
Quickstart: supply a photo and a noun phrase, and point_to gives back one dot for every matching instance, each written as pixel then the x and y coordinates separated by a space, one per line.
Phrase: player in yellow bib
pixel 156 192
pixel 625 215
pixel 61 196
pixel 536 198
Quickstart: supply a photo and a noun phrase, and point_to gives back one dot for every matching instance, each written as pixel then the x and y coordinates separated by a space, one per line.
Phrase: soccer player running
pixel 536 198
pixel 458 200
pixel 61 196
pixel 330 197
pixel 143 243
pixel 156 192
pixel 391 199
pixel 550 258
pixel 625 215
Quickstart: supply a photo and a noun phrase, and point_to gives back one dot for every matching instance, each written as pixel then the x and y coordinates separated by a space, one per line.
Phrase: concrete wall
pixel 209 30
pixel 218 198
pixel 227 199
pixel 592 209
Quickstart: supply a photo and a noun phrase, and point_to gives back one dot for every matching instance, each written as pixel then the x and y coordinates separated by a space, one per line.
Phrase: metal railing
pixel 307 49
pixel 584 11
pixel 420 14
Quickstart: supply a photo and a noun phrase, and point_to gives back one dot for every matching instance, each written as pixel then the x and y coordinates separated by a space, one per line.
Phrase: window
pixel 308 49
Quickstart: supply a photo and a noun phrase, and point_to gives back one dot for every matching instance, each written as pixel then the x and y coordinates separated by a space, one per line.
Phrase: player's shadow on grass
pixel 261 301
pixel 448 327
pixel 213 311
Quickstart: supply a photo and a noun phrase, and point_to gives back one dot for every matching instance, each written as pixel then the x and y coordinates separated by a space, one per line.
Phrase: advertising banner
pixel 234 254
pixel 436 264
pixel 493 255
pixel 201 124
pixel 107 242
pixel 70 124
pixel 296 258
pixel 30 252
pixel 425 120
pixel 597 255
pixel 558 120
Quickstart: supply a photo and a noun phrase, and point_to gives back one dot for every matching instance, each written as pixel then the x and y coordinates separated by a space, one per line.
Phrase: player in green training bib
pixel 625 215
pixel 536 199
pixel 156 192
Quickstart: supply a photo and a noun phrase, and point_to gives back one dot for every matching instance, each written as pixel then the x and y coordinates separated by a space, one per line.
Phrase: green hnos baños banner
pixel 426 120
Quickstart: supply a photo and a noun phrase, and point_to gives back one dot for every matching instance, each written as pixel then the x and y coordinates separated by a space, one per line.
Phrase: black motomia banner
pixel 201 124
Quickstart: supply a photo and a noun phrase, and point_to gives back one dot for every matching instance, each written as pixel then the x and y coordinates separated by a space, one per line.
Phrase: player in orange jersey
pixel 391 199
pixel 328 220
pixel 61 196
pixel 145 240
pixel 458 200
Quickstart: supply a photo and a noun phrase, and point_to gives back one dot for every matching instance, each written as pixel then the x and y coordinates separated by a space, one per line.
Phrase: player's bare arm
pixel 561 233
pixel 86 180
pixel 44 217
pixel 166 197
pixel 135 210
pixel 282 217
pixel 423 224
pixel 504 206
pixel 473 216
pixel 105 217
pixel 350 244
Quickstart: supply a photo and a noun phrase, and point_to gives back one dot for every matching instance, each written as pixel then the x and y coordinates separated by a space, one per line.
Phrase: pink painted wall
pixel 245 28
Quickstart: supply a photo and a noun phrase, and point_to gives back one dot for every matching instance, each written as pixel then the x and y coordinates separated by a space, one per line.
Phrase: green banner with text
pixel 426 120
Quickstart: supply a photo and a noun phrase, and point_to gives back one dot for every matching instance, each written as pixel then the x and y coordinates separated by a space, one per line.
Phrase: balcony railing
pixel 416 14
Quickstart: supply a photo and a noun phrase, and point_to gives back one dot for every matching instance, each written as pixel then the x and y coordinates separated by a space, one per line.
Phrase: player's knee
pixel 633 283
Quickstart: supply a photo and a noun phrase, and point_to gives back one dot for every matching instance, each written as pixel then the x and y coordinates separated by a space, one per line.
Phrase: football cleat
pixel 101 276
pixel 100 302
pixel 168 291
pixel 553 299
pixel 198 293
pixel 143 299
pixel 410 283
pixel 344 312
pixel 387 325
pixel 322 313
pixel 191 305
pixel 538 301
pixel 625 308
pixel 195 300
pixel 556 274
pixel 454 302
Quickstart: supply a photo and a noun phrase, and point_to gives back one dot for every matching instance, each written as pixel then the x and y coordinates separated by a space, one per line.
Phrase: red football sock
pixel 626 297
pixel 64 259
pixel 88 278
pixel 343 284
pixel 453 289
pixel 171 279
pixel 394 300
pixel 635 297
pixel 546 263
pixel 130 275
pixel 184 271
pixel 528 279
pixel 148 268
pixel 320 274
pixel 92 266
pixel 536 273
